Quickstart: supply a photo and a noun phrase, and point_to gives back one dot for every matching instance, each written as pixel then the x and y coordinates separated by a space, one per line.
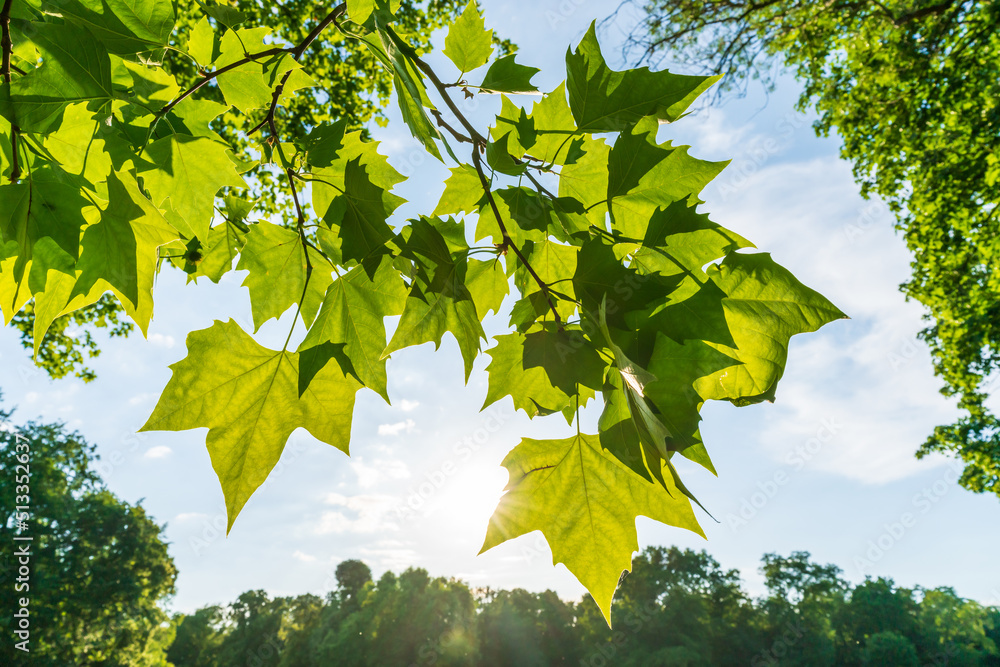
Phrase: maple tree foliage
pixel 583 218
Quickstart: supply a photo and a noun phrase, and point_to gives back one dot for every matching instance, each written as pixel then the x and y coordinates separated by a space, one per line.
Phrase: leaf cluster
pixel 588 221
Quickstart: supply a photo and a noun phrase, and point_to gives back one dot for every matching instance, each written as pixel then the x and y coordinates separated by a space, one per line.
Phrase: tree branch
pixel 480 143
pixel 5 42
pixel 8 48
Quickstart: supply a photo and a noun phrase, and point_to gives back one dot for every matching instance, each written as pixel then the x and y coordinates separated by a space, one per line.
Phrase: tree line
pixel 678 608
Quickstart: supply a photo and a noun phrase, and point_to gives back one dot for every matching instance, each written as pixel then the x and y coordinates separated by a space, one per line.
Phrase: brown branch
pixel 5 66
pixel 214 74
pixel 455 133
pixel 269 120
pixel 480 143
pixel 331 18
pixel 5 42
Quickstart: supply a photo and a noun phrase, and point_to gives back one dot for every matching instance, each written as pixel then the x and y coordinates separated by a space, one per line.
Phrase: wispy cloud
pixel 397 428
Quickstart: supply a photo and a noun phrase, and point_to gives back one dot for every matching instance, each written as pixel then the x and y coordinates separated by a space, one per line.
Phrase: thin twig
pixel 455 133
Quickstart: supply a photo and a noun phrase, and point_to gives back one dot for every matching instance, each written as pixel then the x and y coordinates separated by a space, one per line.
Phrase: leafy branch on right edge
pixel 620 285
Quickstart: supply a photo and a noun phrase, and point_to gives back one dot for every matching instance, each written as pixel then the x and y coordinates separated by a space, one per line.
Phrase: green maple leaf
pixel 765 305
pixel 12 297
pixel 251 85
pixel 189 171
pixel 548 133
pixel 439 300
pixel 248 398
pixel 47 206
pixel 75 68
pixel 463 191
pixel 488 285
pixel 468 43
pixel 78 146
pixel 604 100
pixel 644 176
pixel 554 128
pixel 507 76
pixel 513 122
pixel 215 257
pixel 680 240
pixel 359 10
pixel 204 45
pixel 352 314
pixel 552 262
pixel 544 371
pixel 227 16
pixel 601 277
pixel 586 180
pixel 325 143
pixel 122 249
pixel 55 299
pixel 680 369
pixel 360 214
pixel 618 433
pixel 276 262
pixel 224 244
pixel 520 214
pixel 152 87
pixel 411 92
pixel 500 159
pixel 585 503
pixel 124 26
pixel 351 190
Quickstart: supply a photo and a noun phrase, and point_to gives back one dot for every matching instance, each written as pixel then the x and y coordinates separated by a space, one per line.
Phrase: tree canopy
pixel 99 567
pixel 913 90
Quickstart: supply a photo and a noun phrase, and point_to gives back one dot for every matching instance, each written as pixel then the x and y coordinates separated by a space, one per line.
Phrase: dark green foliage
pixel 678 607
pixel 98 567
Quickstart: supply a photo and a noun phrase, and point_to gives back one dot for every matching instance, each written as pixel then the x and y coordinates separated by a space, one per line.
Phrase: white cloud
pixel 140 398
pixel 360 514
pixel 160 340
pixel 303 557
pixel 190 516
pixel 391 555
pixel 408 406
pixel 158 452
pixel 380 470
pixel 397 428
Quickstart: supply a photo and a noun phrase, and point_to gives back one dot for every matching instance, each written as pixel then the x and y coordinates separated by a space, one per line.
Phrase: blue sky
pixel 828 468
